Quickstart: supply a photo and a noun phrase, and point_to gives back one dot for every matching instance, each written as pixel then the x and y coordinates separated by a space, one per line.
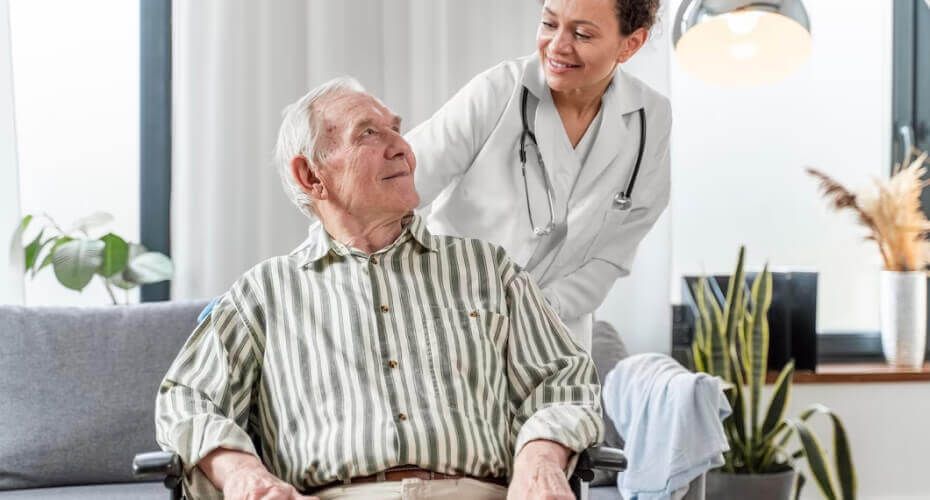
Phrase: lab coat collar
pixel 623 94
pixel 319 243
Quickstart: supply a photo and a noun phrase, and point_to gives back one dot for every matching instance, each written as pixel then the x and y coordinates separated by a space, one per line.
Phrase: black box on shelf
pixel 792 315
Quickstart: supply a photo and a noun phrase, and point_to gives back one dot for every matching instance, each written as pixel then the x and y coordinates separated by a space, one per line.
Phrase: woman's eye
pixel 582 35
pixel 548 24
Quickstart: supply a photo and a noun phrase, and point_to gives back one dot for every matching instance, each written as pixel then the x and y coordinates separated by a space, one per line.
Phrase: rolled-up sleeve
pixel 204 401
pixel 553 383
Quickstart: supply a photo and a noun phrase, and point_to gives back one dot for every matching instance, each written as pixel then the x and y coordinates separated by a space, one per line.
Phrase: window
pixel 76 97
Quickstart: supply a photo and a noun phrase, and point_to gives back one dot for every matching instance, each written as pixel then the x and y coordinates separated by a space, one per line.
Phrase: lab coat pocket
pixel 468 348
pixel 608 229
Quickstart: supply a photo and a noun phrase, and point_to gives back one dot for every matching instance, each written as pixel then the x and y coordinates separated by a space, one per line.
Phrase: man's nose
pixel 397 148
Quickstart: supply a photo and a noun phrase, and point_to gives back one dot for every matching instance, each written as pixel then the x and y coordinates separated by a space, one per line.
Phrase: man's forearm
pixel 220 464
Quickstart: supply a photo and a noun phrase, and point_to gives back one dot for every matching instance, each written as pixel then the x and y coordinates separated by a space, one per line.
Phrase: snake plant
pixel 731 342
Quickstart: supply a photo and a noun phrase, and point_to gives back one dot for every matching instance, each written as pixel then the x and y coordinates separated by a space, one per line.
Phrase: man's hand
pixel 539 473
pixel 242 476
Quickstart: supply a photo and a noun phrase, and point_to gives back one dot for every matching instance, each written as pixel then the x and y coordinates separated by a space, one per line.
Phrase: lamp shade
pixel 741 42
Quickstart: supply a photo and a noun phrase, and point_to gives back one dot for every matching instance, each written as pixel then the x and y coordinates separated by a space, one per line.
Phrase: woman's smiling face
pixel 580 44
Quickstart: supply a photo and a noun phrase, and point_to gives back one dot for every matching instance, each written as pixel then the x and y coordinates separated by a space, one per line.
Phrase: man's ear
pixel 631 45
pixel 307 179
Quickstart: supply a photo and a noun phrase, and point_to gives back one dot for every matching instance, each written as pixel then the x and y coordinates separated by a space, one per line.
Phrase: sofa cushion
pixel 135 491
pixel 78 391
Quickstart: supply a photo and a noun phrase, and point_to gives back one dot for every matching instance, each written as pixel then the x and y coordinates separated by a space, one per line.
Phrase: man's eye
pixel 369 131
pixel 582 35
pixel 548 24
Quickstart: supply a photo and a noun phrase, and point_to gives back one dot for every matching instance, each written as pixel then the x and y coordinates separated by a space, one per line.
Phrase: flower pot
pixel 904 317
pixel 775 486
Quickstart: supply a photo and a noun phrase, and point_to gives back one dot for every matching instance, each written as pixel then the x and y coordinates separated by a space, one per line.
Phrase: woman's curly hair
pixel 635 14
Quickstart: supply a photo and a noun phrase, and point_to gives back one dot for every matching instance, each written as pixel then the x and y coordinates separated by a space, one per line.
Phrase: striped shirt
pixel 434 351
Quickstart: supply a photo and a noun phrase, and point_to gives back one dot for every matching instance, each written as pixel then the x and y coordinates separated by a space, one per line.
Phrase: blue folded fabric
pixel 671 420
pixel 207 310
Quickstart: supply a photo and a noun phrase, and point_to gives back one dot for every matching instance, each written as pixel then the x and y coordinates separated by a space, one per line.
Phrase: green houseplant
pixel 731 342
pixel 76 257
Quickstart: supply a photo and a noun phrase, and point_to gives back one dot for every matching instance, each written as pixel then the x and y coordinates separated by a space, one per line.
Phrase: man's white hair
pixel 299 134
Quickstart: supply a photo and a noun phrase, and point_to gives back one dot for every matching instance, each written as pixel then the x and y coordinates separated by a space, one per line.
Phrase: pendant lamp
pixel 741 42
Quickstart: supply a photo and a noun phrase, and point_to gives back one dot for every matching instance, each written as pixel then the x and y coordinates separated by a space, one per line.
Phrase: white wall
pixel 887 425
pixel 638 306
pixel 739 153
pixel 11 283
pixel 76 76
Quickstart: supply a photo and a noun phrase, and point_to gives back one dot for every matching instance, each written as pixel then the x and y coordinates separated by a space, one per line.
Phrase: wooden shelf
pixel 851 373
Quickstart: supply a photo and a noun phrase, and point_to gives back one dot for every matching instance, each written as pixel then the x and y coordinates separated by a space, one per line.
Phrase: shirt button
pixel 401 416
pixel 473 314
pixel 384 308
pixel 392 364
pixel 374 260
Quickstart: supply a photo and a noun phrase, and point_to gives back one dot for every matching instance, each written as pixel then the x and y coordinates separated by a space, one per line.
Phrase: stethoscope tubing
pixel 622 199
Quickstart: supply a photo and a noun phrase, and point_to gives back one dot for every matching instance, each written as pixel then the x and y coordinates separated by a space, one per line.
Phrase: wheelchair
pixel 167 466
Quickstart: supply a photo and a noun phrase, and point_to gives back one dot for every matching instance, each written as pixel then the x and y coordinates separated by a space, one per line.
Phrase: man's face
pixel 369 166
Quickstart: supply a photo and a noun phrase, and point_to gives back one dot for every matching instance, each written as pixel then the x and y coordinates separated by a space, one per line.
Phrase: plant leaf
pixel 779 402
pixel 150 267
pixel 815 458
pixel 17 237
pixel 115 255
pixel 758 348
pixel 32 250
pixel 61 240
pixel 76 261
pixel 96 219
pixel 845 471
pixel 734 300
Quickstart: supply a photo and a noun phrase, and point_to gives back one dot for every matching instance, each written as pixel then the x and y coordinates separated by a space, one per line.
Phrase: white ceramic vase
pixel 904 317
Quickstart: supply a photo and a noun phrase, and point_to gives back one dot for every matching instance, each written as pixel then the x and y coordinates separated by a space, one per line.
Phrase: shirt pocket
pixel 607 228
pixel 469 354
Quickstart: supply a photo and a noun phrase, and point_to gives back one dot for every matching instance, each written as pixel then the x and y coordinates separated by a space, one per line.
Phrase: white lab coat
pixel 470 182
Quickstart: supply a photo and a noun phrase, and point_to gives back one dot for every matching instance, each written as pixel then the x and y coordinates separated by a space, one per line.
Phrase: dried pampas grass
pixel 891 211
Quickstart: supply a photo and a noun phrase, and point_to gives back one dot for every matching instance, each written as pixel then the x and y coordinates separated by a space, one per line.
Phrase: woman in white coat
pixel 591 122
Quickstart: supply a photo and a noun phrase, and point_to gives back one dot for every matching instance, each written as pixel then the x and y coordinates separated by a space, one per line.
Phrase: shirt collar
pixel 319 243
pixel 622 94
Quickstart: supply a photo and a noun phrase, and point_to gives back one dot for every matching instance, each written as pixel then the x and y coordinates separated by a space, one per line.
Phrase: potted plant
pixel 731 342
pixel 76 257
pixel 891 211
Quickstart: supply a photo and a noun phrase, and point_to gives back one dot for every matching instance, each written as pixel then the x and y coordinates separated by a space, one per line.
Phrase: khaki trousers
pixel 417 489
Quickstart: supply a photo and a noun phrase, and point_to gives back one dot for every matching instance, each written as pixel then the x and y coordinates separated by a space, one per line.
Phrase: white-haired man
pixel 376 360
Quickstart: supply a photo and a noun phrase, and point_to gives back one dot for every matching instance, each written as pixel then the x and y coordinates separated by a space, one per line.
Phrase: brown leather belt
pixel 402 472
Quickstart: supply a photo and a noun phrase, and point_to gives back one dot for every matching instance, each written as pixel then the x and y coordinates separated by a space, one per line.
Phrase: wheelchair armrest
pixel 156 464
pixel 599 458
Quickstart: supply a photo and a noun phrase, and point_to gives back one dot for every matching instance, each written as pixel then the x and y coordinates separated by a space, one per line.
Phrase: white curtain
pixel 237 63
pixel 11 286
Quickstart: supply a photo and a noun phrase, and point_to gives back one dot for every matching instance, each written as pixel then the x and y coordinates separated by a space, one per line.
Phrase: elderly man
pixel 376 360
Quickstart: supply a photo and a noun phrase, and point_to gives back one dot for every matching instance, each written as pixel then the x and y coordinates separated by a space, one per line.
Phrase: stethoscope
pixel 622 200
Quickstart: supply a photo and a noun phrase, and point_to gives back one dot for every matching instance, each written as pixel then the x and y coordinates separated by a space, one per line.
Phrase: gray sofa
pixel 78 396
pixel 78 393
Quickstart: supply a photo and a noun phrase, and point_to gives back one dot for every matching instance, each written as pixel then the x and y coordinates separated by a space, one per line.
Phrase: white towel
pixel 671 421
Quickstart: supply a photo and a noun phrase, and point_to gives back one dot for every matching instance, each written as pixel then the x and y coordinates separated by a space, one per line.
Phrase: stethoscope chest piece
pixel 622 202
